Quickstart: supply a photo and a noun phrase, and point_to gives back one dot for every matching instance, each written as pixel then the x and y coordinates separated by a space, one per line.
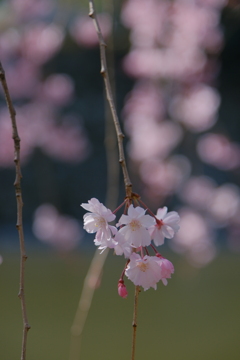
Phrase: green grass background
pixel 197 316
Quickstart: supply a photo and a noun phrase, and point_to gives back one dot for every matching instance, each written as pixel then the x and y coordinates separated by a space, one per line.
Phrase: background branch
pixel 19 225
pixel 96 267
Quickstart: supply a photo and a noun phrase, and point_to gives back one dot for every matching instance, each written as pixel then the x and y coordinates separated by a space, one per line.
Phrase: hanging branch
pixel 19 225
pixel 120 136
pixel 104 73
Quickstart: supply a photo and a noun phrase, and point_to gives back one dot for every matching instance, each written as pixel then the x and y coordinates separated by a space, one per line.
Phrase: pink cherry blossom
pixel 135 231
pixel 97 220
pixel 166 226
pixel 144 271
pixel 167 268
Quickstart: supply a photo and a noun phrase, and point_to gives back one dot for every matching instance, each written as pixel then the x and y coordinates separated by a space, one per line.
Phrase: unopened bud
pixel 122 290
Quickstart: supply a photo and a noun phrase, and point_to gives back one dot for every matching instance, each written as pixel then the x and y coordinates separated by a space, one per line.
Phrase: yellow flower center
pixel 100 222
pixel 134 225
pixel 142 266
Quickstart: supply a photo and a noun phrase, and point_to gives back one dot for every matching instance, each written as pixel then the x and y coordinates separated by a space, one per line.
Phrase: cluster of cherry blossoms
pixel 130 237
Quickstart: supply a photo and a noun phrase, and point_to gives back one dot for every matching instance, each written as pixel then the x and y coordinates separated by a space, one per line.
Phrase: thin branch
pixel 19 225
pixel 120 136
pixel 134 323
pixel 104 72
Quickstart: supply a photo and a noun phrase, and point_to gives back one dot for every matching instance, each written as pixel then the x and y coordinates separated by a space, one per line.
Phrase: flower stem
pixel 147 208
pixel 134 324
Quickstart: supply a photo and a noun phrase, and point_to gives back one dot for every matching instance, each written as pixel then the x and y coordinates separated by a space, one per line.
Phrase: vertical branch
pixel 19 225
pixel 104 72
pixel 120 136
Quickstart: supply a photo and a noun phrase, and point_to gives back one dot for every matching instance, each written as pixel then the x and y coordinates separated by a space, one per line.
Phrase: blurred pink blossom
pixel 84 32
pixel 60 231
pixel 67 142
pixel 217 150
pixel 169 38
pixel 165 177
pixel 150 140
pixel 49 40
pixel 166 63
pixel 145 99
pixel 146 20
pixel 196 108
pixel 57 89
pixel 10 43
pixel 27 9
pixel 225 203
pixel 198 192
pixel 22 77
pixel 194 239
pixel 37 128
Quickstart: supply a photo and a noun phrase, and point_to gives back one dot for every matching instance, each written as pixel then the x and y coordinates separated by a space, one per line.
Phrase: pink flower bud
pixel 167 268
pixel 122 290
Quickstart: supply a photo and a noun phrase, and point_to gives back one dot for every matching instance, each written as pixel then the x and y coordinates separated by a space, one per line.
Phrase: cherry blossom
pixel 167 268
pixel 104 243
pixel 134 234
pixel 166 226
pixel 97 220
pixel 135 231
pixel 144 271
pixel 122 246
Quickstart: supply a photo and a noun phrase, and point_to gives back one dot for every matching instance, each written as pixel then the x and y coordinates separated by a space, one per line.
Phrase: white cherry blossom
pixel 136 224
pixel 166 226
pixel 122 246
pixel 97 220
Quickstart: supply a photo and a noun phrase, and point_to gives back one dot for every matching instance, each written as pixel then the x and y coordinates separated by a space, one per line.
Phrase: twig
pixel 104 72
pixel 134 323
pixel 19 225
pixel 120 136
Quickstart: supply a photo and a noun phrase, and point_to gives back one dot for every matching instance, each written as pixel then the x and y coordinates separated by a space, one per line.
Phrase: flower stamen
pixel 142 266
pixel 135 225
